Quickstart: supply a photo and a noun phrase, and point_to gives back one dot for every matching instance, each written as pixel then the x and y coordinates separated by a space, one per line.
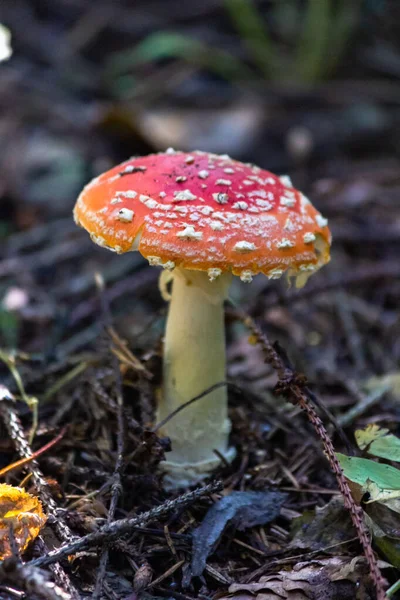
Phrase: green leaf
pixel 254 35
pixel 341 30
pixel 393 589
pixel 326 30
pixel 312 46
pixel 381 481
pixel 378 442
pixel 9 328
pixel 163 45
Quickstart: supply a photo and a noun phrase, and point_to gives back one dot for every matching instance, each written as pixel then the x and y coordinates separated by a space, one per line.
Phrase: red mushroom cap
pixel 205 212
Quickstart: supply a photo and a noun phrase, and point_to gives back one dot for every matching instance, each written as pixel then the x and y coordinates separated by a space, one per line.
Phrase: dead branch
pixel 114 530
pixel 16 433
pixel 293 386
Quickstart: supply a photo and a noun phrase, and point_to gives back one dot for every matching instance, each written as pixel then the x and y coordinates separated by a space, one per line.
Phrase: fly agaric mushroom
pixel 202 217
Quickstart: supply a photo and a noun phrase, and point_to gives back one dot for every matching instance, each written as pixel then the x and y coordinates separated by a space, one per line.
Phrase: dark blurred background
pixel 293 85
pixel 305 87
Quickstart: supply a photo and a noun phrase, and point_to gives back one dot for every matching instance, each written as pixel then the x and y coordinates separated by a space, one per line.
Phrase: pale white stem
pixel 194 360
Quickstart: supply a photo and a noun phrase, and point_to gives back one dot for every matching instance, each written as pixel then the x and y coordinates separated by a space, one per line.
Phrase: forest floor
pixel 92 357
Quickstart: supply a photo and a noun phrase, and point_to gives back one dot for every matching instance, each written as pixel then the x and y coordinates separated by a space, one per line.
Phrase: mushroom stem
pixel 194 360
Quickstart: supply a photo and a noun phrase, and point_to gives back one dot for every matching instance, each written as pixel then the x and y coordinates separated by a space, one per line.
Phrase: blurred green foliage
pixel 303 43
pixel 9 328
pixel 164 45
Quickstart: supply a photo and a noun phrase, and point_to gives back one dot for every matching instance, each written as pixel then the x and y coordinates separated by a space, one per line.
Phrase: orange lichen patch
pixel 204 211
pixel 22 513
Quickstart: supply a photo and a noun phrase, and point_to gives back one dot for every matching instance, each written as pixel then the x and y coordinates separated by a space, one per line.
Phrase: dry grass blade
pixel 9 361
pixel 24 461
pixel 121 351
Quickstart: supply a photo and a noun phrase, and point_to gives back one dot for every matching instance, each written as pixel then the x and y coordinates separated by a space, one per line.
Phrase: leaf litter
pixel 239 510
pixel 336 578
pixel 21 519
pixel 340 331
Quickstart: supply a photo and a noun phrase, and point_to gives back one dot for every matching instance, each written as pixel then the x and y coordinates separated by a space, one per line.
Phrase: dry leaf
pixel 323 528
pixel 240 510
pixel 336 578
pixel 22 513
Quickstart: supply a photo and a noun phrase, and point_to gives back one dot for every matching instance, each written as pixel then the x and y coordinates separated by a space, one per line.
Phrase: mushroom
pixel 203 218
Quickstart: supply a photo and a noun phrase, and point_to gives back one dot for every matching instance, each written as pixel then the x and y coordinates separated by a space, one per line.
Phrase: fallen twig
pixel 16 433
pixel 366 402
pixel 116 529
pixel 357 276
pixel 31 580
pixel 24 461
pixel 116 488
pixel 188 403
pixel 50 256
pixel 293 386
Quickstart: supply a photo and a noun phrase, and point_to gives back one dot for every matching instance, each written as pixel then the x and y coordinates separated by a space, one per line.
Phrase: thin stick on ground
pixel 293 386
pixel 17 434
pixel 116 488
pixel 116 529
pixel 188 403
pixel 22 462
pixel 32 580
pixel 357 276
